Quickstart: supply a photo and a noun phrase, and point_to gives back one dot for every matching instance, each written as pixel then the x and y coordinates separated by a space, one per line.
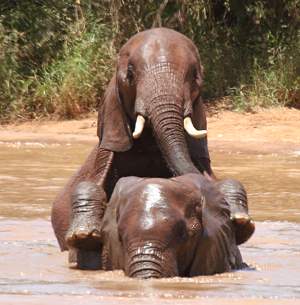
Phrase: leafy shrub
pixel 56 57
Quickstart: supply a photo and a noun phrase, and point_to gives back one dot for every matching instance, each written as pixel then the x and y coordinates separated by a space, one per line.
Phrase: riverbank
pixel 273 130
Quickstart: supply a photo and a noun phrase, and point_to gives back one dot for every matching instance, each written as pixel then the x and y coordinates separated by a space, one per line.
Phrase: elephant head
pixel 157 85
pixel 170 227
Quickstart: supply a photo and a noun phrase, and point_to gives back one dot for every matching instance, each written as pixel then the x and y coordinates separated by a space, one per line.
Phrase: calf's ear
pixel 113 127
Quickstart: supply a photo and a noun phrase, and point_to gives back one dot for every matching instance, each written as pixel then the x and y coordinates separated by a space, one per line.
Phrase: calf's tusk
pixel 191 130
pixel 139 126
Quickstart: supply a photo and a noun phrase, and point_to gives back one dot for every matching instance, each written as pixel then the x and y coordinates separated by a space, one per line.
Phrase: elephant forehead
pixel 153 197
pixel 160 47
pixel 155 207
pixel 154 47
pixel 155 52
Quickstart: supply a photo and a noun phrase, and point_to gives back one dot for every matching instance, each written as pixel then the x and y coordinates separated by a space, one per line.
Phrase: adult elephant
pixel 151 123
pixel 156 227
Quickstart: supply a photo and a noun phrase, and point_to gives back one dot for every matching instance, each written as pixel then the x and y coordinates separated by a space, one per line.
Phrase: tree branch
pixel 157 21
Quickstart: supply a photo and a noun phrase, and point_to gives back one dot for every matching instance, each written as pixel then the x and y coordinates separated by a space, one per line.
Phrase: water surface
pixel 33 269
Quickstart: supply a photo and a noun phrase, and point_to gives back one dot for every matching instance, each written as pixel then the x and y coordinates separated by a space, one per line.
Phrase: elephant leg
pixel 236 196
pixel 78 210
pixel 62 208
pixel 85 259
pixel 88 206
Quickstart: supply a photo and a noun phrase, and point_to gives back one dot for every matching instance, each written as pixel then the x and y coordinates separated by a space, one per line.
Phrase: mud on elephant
pixel 151 124
pixel 182 226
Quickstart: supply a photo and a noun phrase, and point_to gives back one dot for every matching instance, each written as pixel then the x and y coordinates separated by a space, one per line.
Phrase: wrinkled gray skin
pixel 156 227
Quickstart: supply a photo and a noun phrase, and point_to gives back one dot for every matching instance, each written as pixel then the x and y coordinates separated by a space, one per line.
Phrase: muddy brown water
pixel 33 271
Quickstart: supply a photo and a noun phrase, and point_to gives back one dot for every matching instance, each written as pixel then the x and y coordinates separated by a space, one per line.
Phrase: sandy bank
pixel 266 131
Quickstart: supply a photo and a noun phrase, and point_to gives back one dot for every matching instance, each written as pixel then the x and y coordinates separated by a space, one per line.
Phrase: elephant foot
pixel 244 227
pixel 88 206
pixel 85 259
pixel 83 237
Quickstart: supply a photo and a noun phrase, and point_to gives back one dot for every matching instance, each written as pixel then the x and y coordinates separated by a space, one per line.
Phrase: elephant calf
pixel 183 226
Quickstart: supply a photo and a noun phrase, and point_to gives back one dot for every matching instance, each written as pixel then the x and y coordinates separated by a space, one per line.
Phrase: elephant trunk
pixel 166 117
pixel 143 267
pixel 149 262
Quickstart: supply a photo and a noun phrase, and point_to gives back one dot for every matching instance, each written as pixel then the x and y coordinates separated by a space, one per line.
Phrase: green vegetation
pixel 56 57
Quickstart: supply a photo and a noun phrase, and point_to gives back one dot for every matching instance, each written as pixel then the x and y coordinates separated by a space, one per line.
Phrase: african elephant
pixel 155 227
pixel 151 123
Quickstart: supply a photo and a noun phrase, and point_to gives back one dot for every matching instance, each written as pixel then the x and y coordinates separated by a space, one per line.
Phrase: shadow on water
pixel 32 266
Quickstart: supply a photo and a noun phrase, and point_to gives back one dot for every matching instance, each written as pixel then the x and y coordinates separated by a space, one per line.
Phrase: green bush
pixel 56 57
pixel 278 84
pixel 71 86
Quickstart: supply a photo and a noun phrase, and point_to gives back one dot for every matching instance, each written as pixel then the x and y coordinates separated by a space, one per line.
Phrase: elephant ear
pixel 198 147
pixel 113 127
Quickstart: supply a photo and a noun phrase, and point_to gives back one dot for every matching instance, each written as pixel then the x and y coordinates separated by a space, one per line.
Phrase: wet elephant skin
pixel 156 227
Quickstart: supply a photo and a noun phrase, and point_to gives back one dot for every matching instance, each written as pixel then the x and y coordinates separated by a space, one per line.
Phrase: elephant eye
pixel 195 73
pixel 196 77
pixel 130 74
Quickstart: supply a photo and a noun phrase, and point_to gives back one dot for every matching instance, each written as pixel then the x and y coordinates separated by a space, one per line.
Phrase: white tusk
pixel 139 126
pixel 192 131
